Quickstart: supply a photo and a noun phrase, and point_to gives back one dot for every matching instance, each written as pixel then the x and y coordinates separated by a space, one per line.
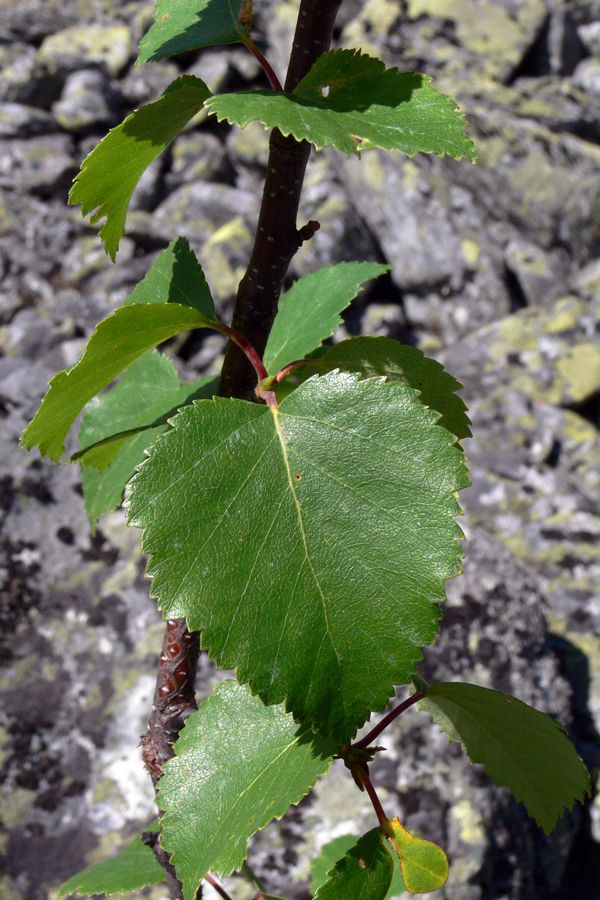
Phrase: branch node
pixel 307 231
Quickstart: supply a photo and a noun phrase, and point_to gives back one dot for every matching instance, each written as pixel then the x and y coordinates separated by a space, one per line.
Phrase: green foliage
pixel 110 173
pixel 309 312
pixel 351 101
pixel 424 865
pixel 364 873
pixel 520 747
pixel 371 356
pixel 120 425
pixel 238 764
pixel 333 851
pixel 325 505
pixel 133 868
pixel 154 312
pixel 190 24
pixel 117 342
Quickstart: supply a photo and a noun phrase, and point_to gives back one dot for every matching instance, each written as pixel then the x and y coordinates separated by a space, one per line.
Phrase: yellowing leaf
pixel 424 865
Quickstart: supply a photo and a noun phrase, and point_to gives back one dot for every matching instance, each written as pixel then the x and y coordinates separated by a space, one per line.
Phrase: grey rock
pixel 88 102
pixel 144 84
pixel 40 166
pixel 197 210
pixel 24 79
pixel 590 36
pixel 587 76
pixel 33 20
pixel 38 233
pixel 396 201
pixel 197 156
pixel 550 354
pixel 76 47
pixel 212 67
pixel 545 184
pixel 18 120
pixel 540 276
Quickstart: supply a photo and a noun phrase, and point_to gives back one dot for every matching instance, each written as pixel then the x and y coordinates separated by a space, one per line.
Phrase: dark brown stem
pixel 174 700
pixel 375 732
pixel 174 696
pixel 152 840
pixel 277 236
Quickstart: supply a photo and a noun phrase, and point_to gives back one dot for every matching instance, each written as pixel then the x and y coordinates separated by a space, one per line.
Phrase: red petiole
pixel 388 719
pixel 275 82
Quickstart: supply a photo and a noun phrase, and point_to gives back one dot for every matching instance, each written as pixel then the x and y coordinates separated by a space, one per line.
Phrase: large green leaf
pixel 120 425
pixel 238 764
pixel 173 297
pixel 189 24
pixel 519 746
pixel 110 173
pixel 371 356
pixel 133 868
pixel 309 543
pixel 332 852
pixel 351 101
pixel 364 873
pixel 310 311
pixel 424 865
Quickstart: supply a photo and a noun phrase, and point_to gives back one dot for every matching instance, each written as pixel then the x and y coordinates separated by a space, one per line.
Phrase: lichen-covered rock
pixel 33 20
pixel 197 210
pixel 18 120
pixel 24 79
pixel 41 165
pixel 88 102
pixel 550 354
pixel 76 47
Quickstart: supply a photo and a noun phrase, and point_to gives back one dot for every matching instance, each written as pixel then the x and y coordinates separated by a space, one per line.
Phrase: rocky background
pixel 496 272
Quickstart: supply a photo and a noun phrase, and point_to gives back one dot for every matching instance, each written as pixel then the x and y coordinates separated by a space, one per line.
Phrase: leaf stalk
pixel 388 719
pixel 266 65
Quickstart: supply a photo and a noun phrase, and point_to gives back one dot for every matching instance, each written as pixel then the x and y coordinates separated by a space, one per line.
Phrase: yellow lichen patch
pixel 469 821
pixel 16 804
pixel 580 368
pixel 471 252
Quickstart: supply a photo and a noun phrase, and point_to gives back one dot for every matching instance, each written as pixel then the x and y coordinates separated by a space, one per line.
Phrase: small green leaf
pixel 309 543
pixel 110 173
pixel 190 24
pixel 351 101
pixel 173 297
pixel 121 424
pixel 424 865
pixel 519 746
pixel 364 873
pixel 372 356
pixel 332 852
pixel 309 312
pixel 238 764
pixel 115 344
pixel 175 276
pixel 133 868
